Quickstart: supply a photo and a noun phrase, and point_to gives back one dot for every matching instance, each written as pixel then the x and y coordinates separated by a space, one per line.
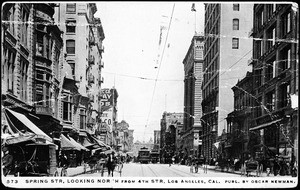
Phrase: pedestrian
pixel 111 164
pixel 204 164
pixel 276 166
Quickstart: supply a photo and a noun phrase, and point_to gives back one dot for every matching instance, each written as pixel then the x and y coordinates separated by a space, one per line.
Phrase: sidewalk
pixel 252 174
pixel 76 170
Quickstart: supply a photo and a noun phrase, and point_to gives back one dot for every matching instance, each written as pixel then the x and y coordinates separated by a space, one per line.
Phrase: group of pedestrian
pixel 198 162
pixel 109 161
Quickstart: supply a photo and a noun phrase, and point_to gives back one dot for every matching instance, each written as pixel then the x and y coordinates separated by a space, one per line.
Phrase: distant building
pixel 156 140
pixel 138 145
pixel 108 101
pixel 168 126
pixel 123 136
pixel 193 71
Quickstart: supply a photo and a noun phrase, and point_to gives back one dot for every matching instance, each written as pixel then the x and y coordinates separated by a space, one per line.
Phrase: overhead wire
pixel 171 18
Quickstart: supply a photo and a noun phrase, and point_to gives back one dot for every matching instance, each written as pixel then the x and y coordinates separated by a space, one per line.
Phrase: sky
pixel 133 58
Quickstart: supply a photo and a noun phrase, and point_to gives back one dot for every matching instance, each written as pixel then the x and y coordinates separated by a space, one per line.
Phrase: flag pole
pixel 193 9
pixel 195 21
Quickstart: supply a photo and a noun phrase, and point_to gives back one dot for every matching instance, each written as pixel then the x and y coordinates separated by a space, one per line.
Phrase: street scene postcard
pixel 122 94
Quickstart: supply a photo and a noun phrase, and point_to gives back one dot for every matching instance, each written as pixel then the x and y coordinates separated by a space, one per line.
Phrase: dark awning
pixel 31 126
pixel 262 126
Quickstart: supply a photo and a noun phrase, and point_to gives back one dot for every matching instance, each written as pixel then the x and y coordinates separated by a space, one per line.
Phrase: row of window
pixel 271 65
pixel 263 46
pixel 68 107
pixel 10 17
pixel 273 100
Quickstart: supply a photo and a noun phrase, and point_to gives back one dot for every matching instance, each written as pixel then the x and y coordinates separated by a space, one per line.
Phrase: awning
pixel 31 126
pixel 264 125
pixel 102 144
pixel 30 137
pixel 19 139
pixel 81 133
pixel 77 144
pixel 66 144
pixel 86 142
pixel 69 127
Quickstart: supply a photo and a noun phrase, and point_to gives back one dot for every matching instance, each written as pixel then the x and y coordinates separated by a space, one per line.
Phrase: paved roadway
pixel 161 170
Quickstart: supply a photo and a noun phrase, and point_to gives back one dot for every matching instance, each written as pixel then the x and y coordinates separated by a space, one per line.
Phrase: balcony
pixel 92 41
pixel 91 59
pixel 250 61
pixel 101 80
pixel 41 110
pixel 10 38
pixel 91 121
pixel 91 97
pixel 91 79
pixel 101 47
pixel 101 64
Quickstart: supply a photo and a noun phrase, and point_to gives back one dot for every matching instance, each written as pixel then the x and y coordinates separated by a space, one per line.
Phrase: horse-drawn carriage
pixel 250 166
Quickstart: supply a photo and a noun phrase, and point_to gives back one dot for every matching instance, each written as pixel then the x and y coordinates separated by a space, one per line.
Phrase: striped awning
pixel 31 126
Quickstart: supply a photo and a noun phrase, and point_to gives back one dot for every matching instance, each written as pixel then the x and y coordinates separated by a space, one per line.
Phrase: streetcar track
pixel 174 171
pixel 152 171
pixel 191 174
pixel 142 170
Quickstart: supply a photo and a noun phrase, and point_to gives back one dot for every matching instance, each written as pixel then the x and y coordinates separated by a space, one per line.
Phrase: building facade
pixel 226 51
pixel 31 64
pixel 168 126
pixel 156 140
pixel 108 101
pixel 238 143
pixel 275 68
pixel 124 136
pixel 82 38
pixel 193 69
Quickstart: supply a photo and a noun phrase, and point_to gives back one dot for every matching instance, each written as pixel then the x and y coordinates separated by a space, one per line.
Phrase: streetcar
pixel 144 155
pixel 154 156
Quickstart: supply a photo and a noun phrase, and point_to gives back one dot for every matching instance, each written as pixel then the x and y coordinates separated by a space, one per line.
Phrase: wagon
pixel 252 166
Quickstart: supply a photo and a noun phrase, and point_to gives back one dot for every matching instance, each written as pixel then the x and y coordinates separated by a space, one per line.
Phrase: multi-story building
pixel 138 145
pixel 275 69
pixel 108 101
pixel 238 142
pixel 83 36
pixel 156 140
pixel 122 136
pixel 226 51
pixel 31 63
pixel 193 69
pixel 168 125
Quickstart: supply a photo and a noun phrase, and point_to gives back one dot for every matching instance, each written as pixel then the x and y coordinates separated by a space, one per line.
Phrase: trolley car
pixel 144 155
